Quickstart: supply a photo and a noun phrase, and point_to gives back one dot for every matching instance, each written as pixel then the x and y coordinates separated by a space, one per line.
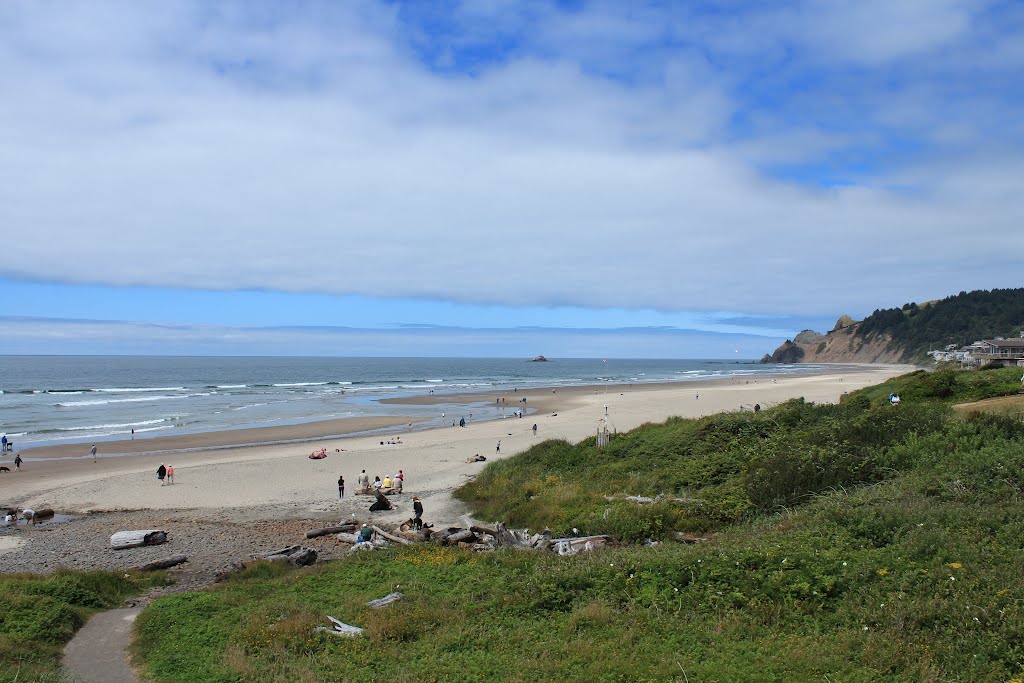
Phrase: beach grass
pixel 39 614
pixel 858 542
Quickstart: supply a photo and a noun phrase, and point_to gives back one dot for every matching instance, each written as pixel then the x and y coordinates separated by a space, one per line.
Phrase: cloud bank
pixel 43 336
pixel 811 157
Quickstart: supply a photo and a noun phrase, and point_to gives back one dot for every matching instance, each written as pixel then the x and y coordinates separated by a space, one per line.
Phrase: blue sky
pixel 498 178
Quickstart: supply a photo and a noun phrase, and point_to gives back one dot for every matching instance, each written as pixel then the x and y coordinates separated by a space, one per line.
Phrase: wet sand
pixel 251 436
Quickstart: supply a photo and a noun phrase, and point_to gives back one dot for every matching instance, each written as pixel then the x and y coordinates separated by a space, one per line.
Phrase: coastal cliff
pixel 906 334
pixel 844 344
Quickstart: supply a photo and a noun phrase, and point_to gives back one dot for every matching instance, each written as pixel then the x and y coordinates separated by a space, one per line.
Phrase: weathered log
pixel 132 539
pixel 504 536
pixel 348 538
pixel 463 536
pixel 571 546
pixel 391 537
pixel 298 555
pixel 340 628
pixel 477 529
pixel 162 564
pixel 442 534
pixel 385 601
pixel 314 533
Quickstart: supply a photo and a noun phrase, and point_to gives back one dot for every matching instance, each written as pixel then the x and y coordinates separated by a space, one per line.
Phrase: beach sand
pixel 279 480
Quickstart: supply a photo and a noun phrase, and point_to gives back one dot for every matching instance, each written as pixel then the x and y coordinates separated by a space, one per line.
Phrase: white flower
pixel 844 564
pixel 952 578
pixel 865 628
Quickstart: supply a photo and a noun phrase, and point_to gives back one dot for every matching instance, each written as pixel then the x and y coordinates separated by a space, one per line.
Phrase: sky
pixel 498 178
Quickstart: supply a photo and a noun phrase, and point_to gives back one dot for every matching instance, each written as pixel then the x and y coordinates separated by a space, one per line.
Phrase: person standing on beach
pixel 161 472
pixel 17 461
pixel 497 448
pixel 363 480
pixel 93 452
pixel 341 487
pixel 3 439
pixel 170 474
pixel 535 429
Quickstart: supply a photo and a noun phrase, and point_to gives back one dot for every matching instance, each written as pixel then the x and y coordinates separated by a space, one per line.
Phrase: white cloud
pixel 310 151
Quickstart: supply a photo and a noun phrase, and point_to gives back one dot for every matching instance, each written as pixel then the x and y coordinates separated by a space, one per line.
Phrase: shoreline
pixel 539 400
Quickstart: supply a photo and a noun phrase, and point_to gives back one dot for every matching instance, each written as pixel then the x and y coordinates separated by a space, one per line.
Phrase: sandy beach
pixel 280 481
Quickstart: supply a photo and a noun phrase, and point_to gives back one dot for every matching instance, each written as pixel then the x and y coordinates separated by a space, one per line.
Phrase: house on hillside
pixel 1005 352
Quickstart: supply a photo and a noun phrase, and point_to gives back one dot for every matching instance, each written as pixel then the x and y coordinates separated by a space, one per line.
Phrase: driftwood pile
pixel 474 537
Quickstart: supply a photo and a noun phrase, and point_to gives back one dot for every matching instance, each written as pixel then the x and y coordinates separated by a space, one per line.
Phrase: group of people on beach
pixel 388 484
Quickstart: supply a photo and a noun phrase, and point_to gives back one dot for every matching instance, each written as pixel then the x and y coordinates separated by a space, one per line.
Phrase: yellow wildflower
pixel 883 572
pixel 954 565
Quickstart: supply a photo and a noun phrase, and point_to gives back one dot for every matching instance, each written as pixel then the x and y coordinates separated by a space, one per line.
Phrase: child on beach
pixel 170 474
pixel 341 487
pixel 17 461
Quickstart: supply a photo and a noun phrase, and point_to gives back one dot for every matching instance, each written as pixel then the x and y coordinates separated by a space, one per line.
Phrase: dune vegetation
pixel 858 542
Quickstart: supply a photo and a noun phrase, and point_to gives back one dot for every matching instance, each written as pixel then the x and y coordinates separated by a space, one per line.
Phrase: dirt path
pixel 97 652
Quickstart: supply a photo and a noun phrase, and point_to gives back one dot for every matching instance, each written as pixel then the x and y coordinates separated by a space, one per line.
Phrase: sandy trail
pixel 255 481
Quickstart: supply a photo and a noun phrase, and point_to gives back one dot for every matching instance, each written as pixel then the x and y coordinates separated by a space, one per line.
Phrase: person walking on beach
pixel 93 452
pixel 17 461
pixel 497 448
pixel 161 472
pixel 3 440
pixel 341 487
pixel 535 429
pixel 170 474
pixel 363 480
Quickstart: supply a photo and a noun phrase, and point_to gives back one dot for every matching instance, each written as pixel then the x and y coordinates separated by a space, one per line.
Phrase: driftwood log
pixel 298 555
pixel 162 564
pixel 461 536
pixel 391 537
pixel 314 533
pixel 345 537
pixel 133 539
pixel 385 601
pixel 340 628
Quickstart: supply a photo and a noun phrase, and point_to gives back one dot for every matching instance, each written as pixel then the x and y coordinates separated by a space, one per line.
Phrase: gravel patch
pixel 211 544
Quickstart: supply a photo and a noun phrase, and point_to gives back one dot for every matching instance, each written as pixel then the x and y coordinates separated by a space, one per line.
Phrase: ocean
pixel 49 400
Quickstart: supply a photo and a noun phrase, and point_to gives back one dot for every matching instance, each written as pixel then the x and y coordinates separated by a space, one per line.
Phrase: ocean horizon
pixel 51 400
